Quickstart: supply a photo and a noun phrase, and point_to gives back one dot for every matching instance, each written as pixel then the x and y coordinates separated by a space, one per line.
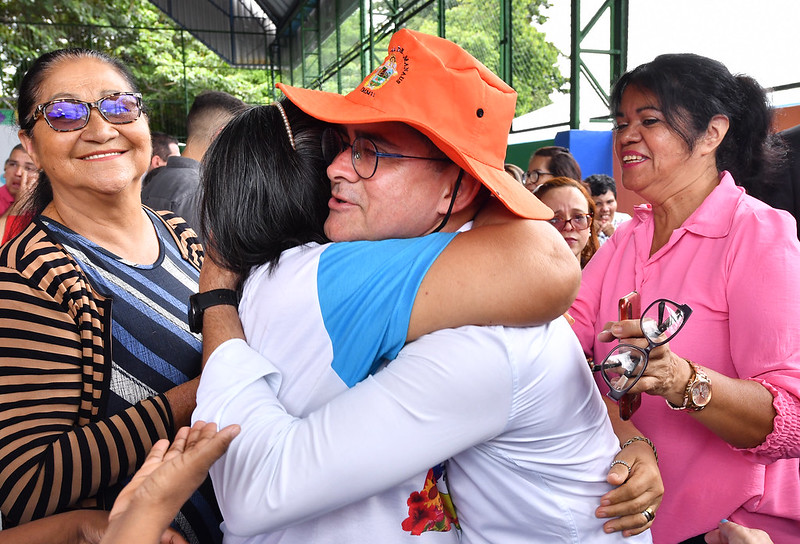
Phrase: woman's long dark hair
pixel 261 196
pixel 690 90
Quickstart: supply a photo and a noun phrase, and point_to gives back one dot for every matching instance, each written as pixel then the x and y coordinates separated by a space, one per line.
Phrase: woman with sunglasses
pixel 721 391
pixel 574 215
pixel 98 360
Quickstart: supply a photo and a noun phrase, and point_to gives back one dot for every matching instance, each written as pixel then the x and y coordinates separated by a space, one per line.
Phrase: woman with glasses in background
pixel 574 215
pixel 550 162
pixel 98 359
pixel 721 399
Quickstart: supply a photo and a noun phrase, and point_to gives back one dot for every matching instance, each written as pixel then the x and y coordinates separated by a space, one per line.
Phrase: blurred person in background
pixel 21 175
pixel 515 172
pixel 574 215
pixel 164 147
pixel 176 186
pixel 604 193
pixel 549 162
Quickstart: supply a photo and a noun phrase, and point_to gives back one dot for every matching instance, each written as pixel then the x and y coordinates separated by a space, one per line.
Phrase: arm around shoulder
pixel 515 273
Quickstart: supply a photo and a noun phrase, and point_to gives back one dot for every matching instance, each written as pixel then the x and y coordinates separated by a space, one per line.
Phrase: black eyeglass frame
pixel 617 394
pixel 40 110
pixel 535 175
pixel 554 220
pixel 329 133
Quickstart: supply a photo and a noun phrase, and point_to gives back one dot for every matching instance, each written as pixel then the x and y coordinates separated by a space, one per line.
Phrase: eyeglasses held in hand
pixel 580 222
pixel 68 114
pixel 364 153
pixel 626 363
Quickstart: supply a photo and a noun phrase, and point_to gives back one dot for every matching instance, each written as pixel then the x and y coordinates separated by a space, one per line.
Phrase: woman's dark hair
pixel 562 162
pixel 561 181
pixel 261 196
pixel 29 96
pixel 600 184
pixel 691 90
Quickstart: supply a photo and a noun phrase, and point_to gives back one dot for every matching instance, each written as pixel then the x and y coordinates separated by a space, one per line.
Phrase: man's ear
pixel 467 191
pixel 157 162
pixel 715 133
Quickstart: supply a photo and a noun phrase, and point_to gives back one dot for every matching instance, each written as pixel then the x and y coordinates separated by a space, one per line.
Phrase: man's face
pixel 403 199
pixel 606 205
pixel 18 168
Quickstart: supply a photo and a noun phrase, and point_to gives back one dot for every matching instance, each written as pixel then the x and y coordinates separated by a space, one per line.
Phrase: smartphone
pixel 630 307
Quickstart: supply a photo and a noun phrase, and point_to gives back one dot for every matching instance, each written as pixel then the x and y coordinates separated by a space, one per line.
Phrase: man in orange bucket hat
pixel 432 85
pixel 416 148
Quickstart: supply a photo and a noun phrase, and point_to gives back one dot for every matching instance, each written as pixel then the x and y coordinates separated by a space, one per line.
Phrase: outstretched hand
pixel 169 475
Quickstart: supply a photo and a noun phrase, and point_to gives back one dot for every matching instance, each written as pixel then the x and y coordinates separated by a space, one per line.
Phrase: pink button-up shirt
pixel 736 262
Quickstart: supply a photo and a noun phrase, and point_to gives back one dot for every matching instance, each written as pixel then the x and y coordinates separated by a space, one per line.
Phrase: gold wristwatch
pixel 698 391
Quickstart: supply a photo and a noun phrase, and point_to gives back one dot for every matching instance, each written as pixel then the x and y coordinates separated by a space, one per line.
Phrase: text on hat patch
pixel 383 73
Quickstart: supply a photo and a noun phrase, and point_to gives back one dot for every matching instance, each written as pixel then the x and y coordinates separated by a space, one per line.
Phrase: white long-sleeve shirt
pixel 515 409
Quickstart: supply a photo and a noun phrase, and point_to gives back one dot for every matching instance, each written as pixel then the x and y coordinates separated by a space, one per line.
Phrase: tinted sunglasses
pixel 68 114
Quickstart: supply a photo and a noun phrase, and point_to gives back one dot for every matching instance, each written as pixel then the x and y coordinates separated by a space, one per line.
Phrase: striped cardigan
pixel 56 451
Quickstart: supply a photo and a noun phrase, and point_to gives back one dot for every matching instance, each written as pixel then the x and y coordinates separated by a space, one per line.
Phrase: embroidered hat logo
pixel 381 74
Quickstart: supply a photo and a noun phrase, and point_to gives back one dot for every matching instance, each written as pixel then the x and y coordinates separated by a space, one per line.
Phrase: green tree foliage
pixel 172 67
pixel 169 64
pixel 474 25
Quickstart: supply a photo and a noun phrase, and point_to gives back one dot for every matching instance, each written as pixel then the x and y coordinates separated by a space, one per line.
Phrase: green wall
pixel 520 154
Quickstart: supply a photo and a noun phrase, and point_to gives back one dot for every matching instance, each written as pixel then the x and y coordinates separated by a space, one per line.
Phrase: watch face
pixel 701 394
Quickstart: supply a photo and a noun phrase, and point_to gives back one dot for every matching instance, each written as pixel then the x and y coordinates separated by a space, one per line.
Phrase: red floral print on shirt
pixel 430 509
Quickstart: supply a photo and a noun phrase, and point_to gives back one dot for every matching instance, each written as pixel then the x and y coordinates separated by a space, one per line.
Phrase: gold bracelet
pixel 641 439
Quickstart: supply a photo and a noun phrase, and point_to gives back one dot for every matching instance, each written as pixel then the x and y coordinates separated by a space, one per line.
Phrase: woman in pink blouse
pixel 720 399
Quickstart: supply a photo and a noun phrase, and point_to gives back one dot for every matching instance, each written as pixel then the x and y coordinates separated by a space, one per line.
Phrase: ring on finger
pixel 623 463
pixel 649 514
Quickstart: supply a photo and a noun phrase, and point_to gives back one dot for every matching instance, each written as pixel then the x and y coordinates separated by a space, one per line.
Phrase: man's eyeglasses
pixel 68 114
pixel 29 168
pixel 579 222
pixel 626 363
pixel 363 152
pixel 532 178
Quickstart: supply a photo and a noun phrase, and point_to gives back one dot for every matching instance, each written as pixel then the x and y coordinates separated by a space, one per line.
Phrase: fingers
pixel 200 431
pixel 620 330
pixel 619 473
pixel 171 536
pixel 178 443
pixel 204 445
pixel 638 494
pixel 154 458
pixel 733 533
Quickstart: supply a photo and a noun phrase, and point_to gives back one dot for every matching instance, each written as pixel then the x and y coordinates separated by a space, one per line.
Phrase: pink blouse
pixel 736 262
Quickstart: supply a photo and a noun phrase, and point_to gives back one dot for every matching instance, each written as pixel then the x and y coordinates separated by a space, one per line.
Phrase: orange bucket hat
pixel 434 86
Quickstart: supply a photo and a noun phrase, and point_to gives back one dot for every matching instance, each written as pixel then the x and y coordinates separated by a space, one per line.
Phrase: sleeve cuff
pixel 784 440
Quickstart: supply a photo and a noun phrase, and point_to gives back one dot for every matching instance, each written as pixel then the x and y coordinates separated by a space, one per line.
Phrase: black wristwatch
pixel 199 302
